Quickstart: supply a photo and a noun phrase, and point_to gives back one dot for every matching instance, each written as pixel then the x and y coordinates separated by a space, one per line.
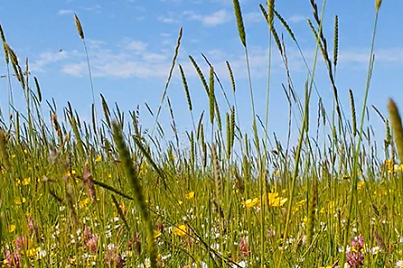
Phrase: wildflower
pixel 250 202
pixel 156 234
pixel 12 260
pixel 137 243
pixel 375 250
pixel 32 226
pixel 90 240
pixel 87 234
pixel 360 185
pixel 301 203
pixel 399 263
pixel 181 230
pixel 89 183
pixel 275 200
pixel 84 202
pixel 243 247
pixel 355 257
pixel 114 259
pixel 32 252
pixel 190 195
pixel 98 159
pixel 92 243
pixel 21 243
pixel 11 228
pixel 19 201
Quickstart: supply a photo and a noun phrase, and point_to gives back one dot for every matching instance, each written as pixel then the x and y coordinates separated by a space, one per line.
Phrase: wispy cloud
pixel 219 17
pixel 128 59
pixel 47 58
pixel 65 11
pixel 253 17
pixel 385 55
pixel 136 45
pixel 297 18
pixel 95 8
pixel 167 20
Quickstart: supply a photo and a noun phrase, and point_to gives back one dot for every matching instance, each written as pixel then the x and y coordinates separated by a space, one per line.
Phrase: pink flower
pixel 243 247
pixel 92 243
pixel 13 260
pixel 355 258
pixel 114 259
pixel 137 243
pixel 21 243
pixel 87 234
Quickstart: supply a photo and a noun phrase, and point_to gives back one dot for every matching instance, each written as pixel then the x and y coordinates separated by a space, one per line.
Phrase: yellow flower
pixel 72 173
pixel 275 200
pixel 250 202
pixel 301 203
pixel 98 159
pixel 11 228
pixel 360 185
pixel 181 230
pixel 19 201
pixel 190 195
pixel 157 234
pixel 330 208
pixel 26 181
pixel 32 252
pixel 180 202
pixel 84 202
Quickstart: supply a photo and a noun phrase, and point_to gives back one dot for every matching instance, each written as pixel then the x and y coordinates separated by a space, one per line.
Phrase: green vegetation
pixel 82 194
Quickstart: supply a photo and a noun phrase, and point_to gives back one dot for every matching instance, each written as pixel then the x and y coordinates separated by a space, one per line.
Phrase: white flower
pixel 375 250
pixel 399 264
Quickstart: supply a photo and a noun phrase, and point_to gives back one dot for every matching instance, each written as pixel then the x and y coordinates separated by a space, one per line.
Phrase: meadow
pixel 108 193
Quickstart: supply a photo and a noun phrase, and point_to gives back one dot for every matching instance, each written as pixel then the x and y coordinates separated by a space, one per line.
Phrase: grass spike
pixel 353 115
pixel 79 27
pixel 239 21
pixel 396 127
pixel 135 182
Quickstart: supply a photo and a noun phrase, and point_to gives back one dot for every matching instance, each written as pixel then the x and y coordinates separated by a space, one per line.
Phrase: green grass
pixel 82 194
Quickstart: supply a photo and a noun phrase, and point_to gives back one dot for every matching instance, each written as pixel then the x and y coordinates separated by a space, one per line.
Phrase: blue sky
pixel 131 44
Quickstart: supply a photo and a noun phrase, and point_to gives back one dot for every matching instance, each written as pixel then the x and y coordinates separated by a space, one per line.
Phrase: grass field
pixel 111 194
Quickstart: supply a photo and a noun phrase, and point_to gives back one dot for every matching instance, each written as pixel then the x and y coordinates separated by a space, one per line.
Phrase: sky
pixel 131 44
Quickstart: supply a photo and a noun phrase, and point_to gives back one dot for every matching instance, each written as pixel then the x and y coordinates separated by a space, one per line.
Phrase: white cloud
pixel 47 58
pixel 297 18
pixel 388 55
pixel 136 45
pixel 212 20
pixel 131 58
pixel 65 11
pixel 167 20
pixel 253 17
pixel 95 8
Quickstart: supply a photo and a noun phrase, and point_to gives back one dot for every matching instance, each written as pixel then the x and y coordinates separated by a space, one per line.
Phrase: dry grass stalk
pixel 78 26
pixel 89 183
